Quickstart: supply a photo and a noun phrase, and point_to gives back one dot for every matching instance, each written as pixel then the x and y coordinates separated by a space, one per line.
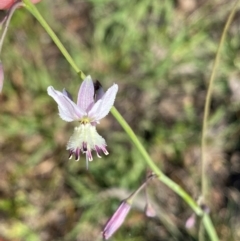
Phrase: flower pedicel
pixel 88 112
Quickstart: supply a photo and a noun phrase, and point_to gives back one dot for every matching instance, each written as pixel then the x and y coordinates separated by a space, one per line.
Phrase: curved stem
pixel 33 10
pixel 204 165
pixel 160 175
pixel 135 193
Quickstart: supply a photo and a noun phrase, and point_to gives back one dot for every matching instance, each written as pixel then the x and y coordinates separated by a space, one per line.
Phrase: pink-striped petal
pixel 102 107
pixel 86 94
pixel 68 110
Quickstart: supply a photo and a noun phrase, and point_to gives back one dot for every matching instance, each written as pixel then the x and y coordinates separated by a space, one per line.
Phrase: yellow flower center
pixel 85 120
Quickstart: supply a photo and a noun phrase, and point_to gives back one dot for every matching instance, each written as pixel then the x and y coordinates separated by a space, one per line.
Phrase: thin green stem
pixel 163 178
pixel 160 175
pixel 33 10
pixel 209 227
pixel 204 166
pixel 134 194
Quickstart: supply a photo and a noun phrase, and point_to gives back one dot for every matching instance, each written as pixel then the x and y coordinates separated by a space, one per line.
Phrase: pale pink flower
pixel 88 111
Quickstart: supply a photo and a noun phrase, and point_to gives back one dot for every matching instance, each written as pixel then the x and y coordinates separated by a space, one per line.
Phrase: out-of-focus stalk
pixel 204 164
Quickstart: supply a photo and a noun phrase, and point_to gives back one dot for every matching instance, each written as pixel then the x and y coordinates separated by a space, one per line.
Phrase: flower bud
pixel 116 220
pixel 190 221
pixel 1 77
pixel 150 211
pixel 6 4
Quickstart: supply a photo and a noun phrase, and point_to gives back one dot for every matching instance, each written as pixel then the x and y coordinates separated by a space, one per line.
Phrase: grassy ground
pixel 160 53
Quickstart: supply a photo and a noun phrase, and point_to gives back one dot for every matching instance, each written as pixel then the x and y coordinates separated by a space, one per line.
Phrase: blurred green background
pixel 160 53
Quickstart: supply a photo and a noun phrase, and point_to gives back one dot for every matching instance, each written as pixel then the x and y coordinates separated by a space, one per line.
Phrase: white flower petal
pixel 104 105
pixel 93 113
pixel 68 110
pixel 86 94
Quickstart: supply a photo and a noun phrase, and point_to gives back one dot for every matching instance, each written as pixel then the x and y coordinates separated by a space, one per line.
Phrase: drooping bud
pixel 190 221
pixel 116 220
pixel 120 214
pixel 6 4
pixel 1 77
pixel 149 210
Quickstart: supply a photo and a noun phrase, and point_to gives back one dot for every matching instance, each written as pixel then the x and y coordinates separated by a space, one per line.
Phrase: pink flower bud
pixel 150 211
pixel 1 77
pixel 116 220
pixel 6 4
pixel 190 221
